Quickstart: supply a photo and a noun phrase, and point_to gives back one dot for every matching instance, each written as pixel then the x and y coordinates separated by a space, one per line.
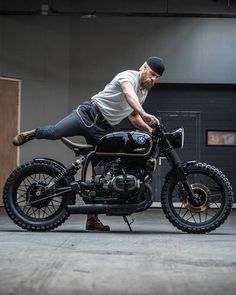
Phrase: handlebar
pixel 159 129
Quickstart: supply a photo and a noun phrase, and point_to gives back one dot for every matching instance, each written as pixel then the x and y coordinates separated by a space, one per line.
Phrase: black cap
pixel 156 64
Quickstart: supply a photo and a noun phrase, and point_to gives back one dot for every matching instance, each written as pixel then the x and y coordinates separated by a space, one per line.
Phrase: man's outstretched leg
pixel 68 126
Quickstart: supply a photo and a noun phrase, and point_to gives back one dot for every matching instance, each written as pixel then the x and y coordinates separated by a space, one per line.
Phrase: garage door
pixel 191 151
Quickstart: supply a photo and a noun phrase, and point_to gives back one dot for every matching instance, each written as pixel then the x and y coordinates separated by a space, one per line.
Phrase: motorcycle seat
pixel 77 147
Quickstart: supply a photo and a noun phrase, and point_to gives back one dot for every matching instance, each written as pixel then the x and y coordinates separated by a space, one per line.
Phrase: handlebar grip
pixel 163 128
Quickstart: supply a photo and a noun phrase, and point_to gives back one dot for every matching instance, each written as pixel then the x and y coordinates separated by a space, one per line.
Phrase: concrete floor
pixel 155 259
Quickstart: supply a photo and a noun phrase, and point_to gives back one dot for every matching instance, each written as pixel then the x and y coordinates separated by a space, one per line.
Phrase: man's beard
pixel 148 85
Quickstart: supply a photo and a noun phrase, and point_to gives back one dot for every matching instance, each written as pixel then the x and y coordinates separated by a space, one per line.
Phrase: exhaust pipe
pixel 113 209
pixel 88 209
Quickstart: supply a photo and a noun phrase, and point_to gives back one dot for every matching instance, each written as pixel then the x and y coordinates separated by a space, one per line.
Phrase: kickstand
pixel 129 223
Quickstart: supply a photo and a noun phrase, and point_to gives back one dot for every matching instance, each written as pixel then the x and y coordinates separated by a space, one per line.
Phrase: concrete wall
pixel 63 60
pixel 195 50
pixel 36 50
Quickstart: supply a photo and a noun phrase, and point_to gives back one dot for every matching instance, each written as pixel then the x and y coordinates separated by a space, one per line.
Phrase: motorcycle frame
pixel 161 147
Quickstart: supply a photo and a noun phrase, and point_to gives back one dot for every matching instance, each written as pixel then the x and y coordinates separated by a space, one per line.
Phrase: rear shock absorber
pixel 71 170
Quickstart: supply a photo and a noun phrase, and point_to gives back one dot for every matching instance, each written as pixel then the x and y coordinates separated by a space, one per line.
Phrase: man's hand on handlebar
pixel 150 119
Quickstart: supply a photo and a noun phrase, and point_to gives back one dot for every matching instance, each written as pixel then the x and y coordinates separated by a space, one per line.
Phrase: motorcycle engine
pixel 115 178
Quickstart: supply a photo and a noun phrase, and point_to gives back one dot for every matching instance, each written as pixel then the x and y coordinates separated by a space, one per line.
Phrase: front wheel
pixel 212 203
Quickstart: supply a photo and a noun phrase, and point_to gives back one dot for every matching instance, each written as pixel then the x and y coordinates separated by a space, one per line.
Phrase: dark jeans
pixel 88 122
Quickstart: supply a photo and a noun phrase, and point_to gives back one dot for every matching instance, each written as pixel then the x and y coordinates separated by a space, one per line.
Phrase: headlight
pixel 182 139
pixel 176 138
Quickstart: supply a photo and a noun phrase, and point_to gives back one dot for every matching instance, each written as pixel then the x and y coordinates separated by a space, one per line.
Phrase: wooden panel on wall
pixel 9 104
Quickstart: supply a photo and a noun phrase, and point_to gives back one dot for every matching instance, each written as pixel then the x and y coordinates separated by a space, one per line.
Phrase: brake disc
pixel 202 198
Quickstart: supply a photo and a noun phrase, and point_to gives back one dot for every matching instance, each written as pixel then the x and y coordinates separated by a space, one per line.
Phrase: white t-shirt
pixel 111 100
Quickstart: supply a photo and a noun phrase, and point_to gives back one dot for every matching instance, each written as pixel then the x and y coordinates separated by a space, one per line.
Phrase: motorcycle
pixel 196 197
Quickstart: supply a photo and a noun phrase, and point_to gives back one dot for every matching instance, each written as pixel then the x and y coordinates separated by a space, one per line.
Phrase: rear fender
pixel 50 161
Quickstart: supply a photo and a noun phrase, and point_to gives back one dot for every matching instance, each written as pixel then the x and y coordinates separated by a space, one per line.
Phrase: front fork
pixel 176 163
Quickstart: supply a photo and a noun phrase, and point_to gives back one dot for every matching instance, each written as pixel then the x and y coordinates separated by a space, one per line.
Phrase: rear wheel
pixel 27 201
pixel 212 203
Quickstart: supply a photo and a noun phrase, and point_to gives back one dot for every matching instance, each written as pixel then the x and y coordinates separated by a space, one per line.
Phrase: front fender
pixel 184 164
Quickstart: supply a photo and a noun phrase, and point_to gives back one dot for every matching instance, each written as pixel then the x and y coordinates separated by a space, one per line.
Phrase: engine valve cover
pixel 124 183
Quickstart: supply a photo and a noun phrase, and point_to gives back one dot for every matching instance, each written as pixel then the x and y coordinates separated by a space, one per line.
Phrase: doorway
pixel 9 127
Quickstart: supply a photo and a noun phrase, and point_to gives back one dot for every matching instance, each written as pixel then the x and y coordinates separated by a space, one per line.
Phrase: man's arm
pixel 133 101
pixel 137 121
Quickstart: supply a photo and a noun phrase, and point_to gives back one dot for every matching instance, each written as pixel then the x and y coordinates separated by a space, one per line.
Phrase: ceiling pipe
pixel 50 10
pixel 119 14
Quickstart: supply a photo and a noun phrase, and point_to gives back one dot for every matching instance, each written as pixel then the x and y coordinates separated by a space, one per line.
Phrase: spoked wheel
pixel 27 201
pixel 211 205
pixel 32 197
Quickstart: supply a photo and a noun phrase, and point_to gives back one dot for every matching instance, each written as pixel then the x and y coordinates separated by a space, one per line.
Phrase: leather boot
pixel 93 223
pixel 23 137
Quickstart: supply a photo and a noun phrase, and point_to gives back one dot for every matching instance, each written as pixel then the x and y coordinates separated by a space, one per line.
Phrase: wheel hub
pixel 35 195
pixel 202 198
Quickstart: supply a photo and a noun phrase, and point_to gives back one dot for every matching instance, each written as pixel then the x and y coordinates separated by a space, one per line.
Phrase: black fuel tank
pixel 122 143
